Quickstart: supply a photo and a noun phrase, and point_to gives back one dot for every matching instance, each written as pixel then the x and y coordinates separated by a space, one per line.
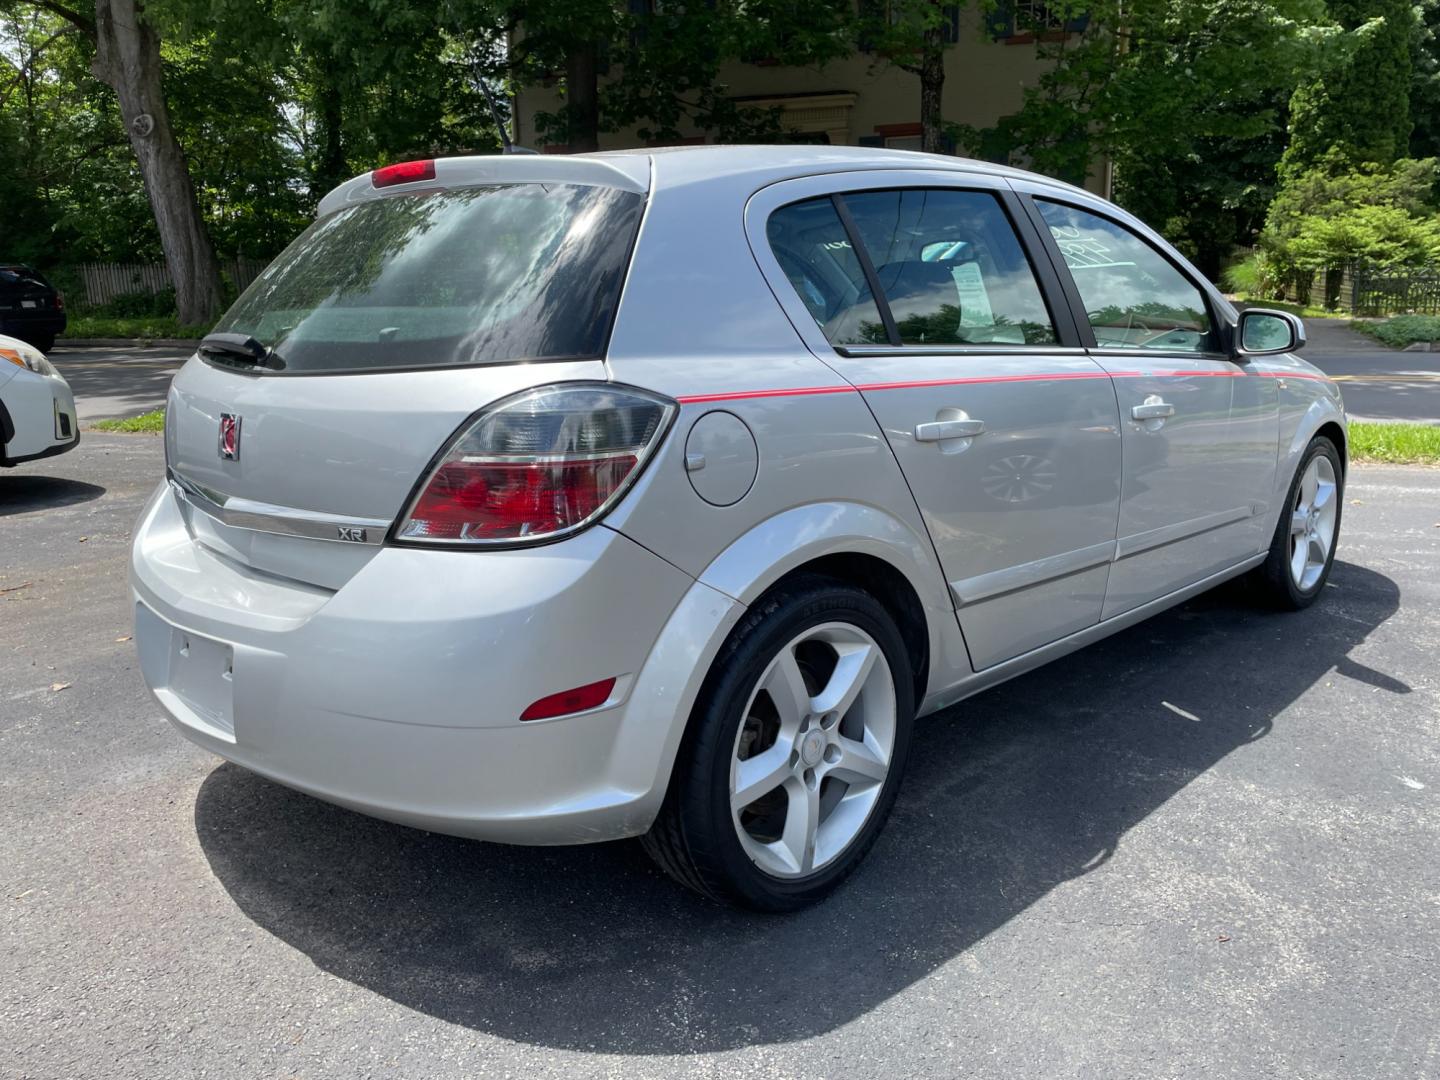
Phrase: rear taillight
pixel 59 301
pixel 538 466
pixel 406 172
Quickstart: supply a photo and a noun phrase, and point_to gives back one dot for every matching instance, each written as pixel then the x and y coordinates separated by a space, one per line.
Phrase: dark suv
pixel 30 307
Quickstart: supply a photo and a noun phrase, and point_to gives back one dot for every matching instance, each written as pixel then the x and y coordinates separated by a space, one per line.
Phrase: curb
pixel 129 343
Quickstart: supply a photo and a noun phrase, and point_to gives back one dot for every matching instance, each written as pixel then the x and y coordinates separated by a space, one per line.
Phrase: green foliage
pixel 1255 275
pixel 1187 100
pixel 1357 108
pixel 137 329
pixel 1381 216
pixel 137 305
pixel 1402 330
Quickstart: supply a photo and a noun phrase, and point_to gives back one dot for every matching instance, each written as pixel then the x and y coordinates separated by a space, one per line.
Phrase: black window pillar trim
pixel 872 279
pixel 1069 327
pixel 1059 272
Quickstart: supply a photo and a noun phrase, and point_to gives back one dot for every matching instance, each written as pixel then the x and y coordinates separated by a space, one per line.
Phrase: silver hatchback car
pixel 551 500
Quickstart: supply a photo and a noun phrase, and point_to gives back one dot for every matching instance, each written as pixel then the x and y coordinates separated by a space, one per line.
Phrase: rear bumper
pixel 399 694
pixel 22 323
pixel 37 419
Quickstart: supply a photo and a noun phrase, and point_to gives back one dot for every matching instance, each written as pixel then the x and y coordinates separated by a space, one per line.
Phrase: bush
pixel 1253 276
pixel 1403 329
pixel 135 305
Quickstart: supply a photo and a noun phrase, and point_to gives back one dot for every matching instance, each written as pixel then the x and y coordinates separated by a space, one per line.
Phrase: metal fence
pixel 1372 293
pixel 105 281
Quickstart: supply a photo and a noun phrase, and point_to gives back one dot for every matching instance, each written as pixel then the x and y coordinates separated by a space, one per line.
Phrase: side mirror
pixel 1263 332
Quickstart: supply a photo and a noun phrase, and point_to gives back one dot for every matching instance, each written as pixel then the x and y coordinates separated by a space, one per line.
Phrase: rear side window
pixel 1134 297
pixel 472 276
pixel 948 264
pixel 813 249
pixel 951 267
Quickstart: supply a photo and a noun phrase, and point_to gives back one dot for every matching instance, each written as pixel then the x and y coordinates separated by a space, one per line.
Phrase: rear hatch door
pixel 375 336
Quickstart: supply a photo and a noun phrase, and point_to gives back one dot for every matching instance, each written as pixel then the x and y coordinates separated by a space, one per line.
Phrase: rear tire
pixel 1302 550
pixel 43 342
pixel 794 752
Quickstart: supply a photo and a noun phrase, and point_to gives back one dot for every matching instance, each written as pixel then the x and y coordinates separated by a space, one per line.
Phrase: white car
pixel 37 409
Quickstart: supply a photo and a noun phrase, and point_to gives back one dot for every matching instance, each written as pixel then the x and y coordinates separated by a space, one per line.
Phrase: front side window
pixel 1134 297
pixel 951 268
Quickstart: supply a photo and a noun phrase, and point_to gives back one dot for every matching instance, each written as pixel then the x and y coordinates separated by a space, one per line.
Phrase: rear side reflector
pixel 591 696
pixel 406 172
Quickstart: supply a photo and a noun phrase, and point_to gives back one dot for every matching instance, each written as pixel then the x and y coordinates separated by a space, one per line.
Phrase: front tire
pixel 1302 550
pixel 794 753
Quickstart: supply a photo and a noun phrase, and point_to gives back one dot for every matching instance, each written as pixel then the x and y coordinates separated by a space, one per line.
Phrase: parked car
pixel 31 309
pixel 37 409
pixel 552 500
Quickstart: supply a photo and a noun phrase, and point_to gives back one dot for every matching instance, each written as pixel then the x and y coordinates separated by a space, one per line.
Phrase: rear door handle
pixel 937 430
pixel 1153 410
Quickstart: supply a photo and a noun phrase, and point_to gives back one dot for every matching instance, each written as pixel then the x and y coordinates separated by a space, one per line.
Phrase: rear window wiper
pixel 241 348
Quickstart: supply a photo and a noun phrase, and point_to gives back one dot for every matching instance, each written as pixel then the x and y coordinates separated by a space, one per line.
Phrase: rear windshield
pixel 21 275
pixel 480 275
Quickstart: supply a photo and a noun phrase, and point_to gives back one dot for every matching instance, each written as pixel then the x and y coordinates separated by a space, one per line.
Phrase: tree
pixel 1328 216
pixel 1359 102
pixel 127 59
pixel 1185 99
pixel 912 35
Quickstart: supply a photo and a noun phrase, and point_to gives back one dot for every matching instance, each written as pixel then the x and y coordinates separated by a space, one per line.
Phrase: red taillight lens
pixel 566 702
pixel 405 172
pixel 540 465
pixel 59 301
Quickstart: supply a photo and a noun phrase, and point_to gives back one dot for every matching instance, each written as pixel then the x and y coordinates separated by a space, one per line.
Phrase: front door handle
pixel 1153 409
pixel 938 430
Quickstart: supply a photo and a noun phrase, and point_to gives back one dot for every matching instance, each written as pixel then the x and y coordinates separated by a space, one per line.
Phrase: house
pixel 859 100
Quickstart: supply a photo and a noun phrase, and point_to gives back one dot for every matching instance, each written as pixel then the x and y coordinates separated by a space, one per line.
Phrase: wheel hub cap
pixel 812 748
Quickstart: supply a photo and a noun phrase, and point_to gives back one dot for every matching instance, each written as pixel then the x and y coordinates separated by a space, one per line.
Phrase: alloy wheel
pixel 813 750
pixel 1312 523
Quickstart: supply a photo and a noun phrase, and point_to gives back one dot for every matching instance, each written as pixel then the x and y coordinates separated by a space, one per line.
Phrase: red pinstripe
pixel 799 391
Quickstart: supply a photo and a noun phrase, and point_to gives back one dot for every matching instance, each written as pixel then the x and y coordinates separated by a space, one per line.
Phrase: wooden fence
pixel 105 281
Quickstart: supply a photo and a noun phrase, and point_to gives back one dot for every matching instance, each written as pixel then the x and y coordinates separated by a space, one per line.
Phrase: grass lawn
pixel 1395 444
pixel 150 422
pixel 146 328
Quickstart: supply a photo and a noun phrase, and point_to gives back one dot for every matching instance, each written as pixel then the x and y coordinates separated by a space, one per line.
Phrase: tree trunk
pixel 932 84
pixel 127 59
pixel 330 169
pixel 582 99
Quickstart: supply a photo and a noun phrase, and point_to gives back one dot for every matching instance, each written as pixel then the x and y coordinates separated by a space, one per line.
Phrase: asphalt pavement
pixel 1207 847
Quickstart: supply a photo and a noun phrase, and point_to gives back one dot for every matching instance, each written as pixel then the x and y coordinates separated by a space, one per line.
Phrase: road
pixel 1378 383
pixel 1208 847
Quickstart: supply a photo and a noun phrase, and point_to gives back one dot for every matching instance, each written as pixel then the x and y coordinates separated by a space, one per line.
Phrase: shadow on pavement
pixel 1009 794
pixel 24 494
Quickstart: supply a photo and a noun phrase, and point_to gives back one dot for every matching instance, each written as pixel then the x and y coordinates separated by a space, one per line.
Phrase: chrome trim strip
pixel 278 520
pixel 1183 530
pixel 1013 578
